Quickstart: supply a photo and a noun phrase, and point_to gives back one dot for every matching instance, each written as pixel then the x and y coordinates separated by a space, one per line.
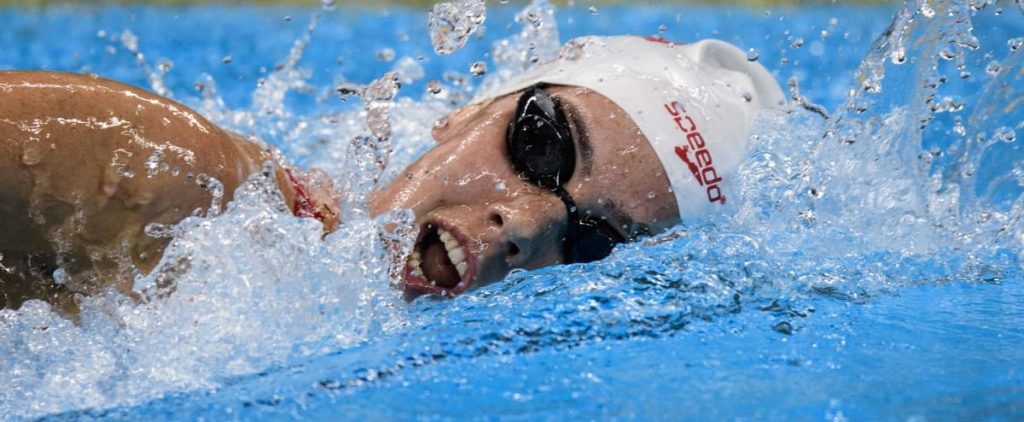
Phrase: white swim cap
pixel 695 103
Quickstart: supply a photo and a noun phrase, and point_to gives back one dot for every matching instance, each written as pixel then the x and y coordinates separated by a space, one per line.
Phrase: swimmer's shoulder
pixel 16 80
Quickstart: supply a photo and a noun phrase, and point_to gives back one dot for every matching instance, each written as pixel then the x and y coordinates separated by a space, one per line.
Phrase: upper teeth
pixel 455 254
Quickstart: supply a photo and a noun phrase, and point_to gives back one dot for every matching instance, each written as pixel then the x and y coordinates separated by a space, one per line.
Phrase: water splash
pixel 848 203
pixel 451 23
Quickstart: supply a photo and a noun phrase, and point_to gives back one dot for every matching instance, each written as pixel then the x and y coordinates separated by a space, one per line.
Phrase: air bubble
pixel 499 187
pixel 796 42
pixel 592 10
pixel 226 59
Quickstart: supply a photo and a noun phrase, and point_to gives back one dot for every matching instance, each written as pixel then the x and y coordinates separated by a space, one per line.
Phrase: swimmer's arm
pixel 86 163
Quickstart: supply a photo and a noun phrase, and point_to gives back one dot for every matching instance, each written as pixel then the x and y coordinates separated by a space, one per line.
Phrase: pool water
pixel 870 266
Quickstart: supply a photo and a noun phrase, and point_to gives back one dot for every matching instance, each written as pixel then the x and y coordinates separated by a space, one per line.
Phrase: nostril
pixel 513 249
pixel 495 219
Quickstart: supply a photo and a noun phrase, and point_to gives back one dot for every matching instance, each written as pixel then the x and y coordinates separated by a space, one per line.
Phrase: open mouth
pixel 440 262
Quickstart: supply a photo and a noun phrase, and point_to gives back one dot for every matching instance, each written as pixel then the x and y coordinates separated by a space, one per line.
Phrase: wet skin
pixel 67 145
pixel 467 186
pixel 65 200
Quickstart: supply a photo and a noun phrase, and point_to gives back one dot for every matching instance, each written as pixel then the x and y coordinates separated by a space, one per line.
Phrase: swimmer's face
pixel 480 216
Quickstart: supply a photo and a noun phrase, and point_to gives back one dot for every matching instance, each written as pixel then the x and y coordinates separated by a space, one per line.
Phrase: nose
pixel 530 229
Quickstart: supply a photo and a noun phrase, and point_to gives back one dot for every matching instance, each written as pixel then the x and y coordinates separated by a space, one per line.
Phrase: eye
pixel 538 140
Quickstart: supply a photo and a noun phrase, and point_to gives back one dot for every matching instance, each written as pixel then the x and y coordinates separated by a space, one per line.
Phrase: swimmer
pixel 619 138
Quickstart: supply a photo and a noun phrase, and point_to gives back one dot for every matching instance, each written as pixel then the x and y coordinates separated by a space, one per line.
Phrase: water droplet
pixel 499 187
pixel 155 164
pixel 159 231
pixel 753 54
pixel 1015 43
pixel 898 55
pixel 592 10
pixel 434 87
pixel 226 60
pixel 377 100
pixel 1005 134
pixel 409 70
pixel 959 128
pixel 328 4
pixel 216 190
pixel 478 68
pixel 441 123
pixel 572 50
pixel 652 195
pixel 662 28
pixel 60 276
pixel 534 19
pixel 386 55
pixel 451 23
pixel 119 163
pixel 129 40
pixel 993 68
pixel 796 42
pixel 31 153
pixel 101 34
pixel 347 90
pixel 927 11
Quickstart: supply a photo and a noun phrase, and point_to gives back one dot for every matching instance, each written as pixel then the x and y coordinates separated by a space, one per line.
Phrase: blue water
pixel 856 279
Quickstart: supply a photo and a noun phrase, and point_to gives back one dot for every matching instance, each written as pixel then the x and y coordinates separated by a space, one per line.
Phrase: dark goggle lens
pixel 539 144
pixel 541 149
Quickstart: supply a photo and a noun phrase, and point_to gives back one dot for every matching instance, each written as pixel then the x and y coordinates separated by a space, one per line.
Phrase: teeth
pixel 414 263
pixel 455 254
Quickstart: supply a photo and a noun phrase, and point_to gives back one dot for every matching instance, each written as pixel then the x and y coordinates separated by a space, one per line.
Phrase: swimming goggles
pixel 542 150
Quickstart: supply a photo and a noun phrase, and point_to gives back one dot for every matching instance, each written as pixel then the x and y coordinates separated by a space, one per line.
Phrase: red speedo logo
pixel 700 165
